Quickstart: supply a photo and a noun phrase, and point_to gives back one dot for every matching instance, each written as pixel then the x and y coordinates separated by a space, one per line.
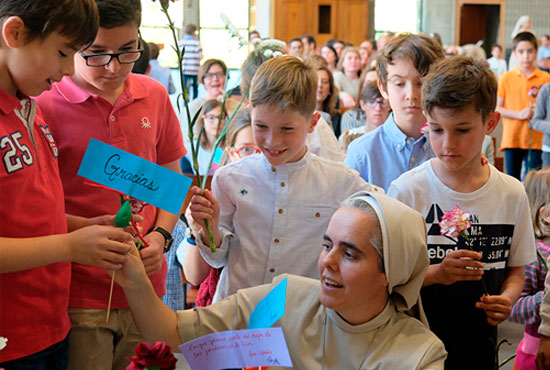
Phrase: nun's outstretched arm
pixel 154 320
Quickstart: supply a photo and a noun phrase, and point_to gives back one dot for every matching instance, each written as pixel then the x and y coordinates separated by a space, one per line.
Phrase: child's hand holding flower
pixel 459 265
pixel 205 206
pixel 497 308
pixel 462 264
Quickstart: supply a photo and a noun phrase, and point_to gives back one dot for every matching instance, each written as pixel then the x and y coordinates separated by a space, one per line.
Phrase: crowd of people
pixel 340 172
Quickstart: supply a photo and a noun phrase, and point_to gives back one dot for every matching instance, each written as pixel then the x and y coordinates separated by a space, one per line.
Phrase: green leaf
pixel 124 215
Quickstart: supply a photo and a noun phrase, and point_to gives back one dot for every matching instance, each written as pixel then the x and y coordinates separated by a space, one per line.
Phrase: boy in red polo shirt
pixel 37 44
pixel 103 100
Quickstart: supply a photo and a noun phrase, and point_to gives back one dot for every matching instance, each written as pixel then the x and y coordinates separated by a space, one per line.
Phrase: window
pixel 386 19
pixel 154 28
pixel 216 40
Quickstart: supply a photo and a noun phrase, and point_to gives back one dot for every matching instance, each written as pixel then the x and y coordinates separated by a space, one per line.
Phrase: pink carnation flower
pixel 455 223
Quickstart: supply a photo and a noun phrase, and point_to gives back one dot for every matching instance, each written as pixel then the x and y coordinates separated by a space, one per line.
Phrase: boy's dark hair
pixel 116 13
pixel 458 82
pixel 525 36
pixel 154 49
pixel 310 39
pixel 296 40
pixel 190 29
pixel 421 50
pixel 370 92
pixel 142 64
pixel 78 20
pixel 331 42
pixel 496 46
pixel 287 83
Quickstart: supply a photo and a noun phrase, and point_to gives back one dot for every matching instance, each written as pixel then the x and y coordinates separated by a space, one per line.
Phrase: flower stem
pixel 466 237
pixel 194 144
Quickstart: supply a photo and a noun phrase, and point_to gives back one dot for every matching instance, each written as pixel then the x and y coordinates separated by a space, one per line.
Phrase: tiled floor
pixel 513 332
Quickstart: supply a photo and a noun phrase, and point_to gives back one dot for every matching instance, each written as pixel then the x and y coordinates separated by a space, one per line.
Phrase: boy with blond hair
pixel 472 282
pixel 37 45
pixel 384 154
pixel 268 212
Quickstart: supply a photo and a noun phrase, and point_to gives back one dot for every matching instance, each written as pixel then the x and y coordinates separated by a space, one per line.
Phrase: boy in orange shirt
pixel 517 91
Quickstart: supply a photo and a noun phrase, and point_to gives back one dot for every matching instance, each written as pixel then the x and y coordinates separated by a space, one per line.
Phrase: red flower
pixel 157 356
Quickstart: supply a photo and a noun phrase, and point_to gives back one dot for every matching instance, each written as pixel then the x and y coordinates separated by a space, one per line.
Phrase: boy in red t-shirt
pixel 37 44
pixel 105 101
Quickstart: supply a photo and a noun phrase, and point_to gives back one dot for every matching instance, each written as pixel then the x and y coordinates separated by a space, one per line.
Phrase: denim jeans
pixel 515 157
pixel 545 159
pixel 55 357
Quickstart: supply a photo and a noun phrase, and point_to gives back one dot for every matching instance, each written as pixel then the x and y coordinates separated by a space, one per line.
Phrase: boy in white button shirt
pixel 268 211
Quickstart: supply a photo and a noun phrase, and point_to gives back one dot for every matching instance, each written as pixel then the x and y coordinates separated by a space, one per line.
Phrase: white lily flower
pixel 273 44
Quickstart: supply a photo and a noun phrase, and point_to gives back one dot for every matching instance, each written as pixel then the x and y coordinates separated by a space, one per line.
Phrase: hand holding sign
pixel 135 176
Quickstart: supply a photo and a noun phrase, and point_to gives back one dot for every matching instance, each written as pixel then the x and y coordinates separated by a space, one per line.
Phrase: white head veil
pixel 520 22
pixel 405 252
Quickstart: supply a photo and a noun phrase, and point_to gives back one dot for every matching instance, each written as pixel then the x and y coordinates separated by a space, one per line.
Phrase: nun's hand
pixel 497 308
pixel 459 265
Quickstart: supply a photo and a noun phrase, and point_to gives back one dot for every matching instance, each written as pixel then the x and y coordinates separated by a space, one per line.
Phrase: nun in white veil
pixel 365 313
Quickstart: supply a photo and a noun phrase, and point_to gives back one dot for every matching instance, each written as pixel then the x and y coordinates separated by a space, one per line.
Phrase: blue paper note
pixel 270 309
pixel 218 155
pixel 135 176
pixel 237 349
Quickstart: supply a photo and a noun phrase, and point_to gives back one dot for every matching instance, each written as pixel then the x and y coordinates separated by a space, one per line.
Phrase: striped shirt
pixel 191 58
pixel 526 309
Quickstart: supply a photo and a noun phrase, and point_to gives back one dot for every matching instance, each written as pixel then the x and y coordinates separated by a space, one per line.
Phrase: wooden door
pixel 324 19
pixel 472 23
pixel 480 20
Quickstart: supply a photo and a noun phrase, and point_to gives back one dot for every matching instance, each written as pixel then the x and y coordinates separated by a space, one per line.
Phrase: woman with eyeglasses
pixel 212 74
pixel 209 125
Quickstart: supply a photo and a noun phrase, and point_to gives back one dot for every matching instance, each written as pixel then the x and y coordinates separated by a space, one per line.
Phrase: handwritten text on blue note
pixel 135 176
pixel 270 309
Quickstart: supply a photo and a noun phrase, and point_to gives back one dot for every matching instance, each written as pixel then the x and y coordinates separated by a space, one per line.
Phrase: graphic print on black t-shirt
pixel 450 309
